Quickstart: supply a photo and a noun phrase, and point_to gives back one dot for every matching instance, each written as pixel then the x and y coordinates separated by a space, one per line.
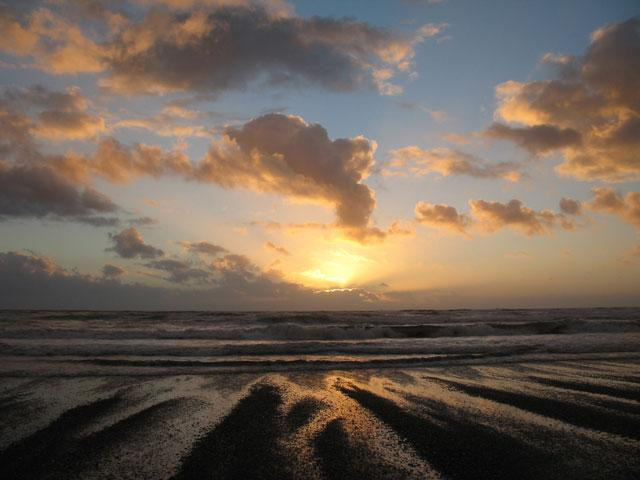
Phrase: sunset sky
pixel 247 154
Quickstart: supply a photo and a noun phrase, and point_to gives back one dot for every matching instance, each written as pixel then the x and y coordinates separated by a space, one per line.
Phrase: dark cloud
pixel 234 264
pixel 15 132
pixel 40 192
pixel 208 46
pixel 180 272
pixel 129 244
pixel 29 113
pixel 142 221
pixel 227 48
pixel 284 154
pixel 570 206
pixel 445 161
pixel 272 153
pixel 493 216
pixel 112 271
pixel 590 111
pixel 69 125
pixel 538 139
pixel 45 99
pixel 205 248
pixel 37 185
pixel 277 248
pixel 32 281
pixel 28 280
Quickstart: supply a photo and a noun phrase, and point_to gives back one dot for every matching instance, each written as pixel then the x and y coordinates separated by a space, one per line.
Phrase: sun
pixel 336 268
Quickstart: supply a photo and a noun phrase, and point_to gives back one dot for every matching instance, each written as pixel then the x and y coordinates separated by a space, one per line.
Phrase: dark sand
pixel 535 420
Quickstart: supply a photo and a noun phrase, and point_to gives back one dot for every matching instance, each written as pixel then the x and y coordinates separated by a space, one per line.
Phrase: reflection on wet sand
pixel 537 420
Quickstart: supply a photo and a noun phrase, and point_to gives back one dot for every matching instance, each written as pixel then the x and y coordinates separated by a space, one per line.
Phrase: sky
pixel 294 155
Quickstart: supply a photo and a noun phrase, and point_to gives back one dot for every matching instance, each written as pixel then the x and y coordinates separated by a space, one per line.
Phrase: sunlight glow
pixel 337 267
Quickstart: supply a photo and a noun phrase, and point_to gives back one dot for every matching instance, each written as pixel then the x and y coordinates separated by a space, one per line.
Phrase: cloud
pixel 438 116
pixel 626 207
pixel 118 163
pixel 441 216
pixel 286 155
pixel 62 115
pixel 165 52
pixel 271 153
pixel 234 264
pixel 39 191
pixel 170 121
pixel 491 216
pixel 180 272
pixel 209 46
pixel 590 111
pixel 56 44
pixel 277 249
pixel 29 280
pixel 274 7
pixel 68 125
pixel 570 206
pixel 414 160
pixel 205 248
pixel 456 138
pixel 142 221
pixel 129 244
pixel 45 99
pixel 38 185
pixel 538 139
pixel 112 271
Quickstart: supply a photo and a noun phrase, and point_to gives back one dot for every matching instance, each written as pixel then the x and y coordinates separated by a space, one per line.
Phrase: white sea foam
pixel 50 340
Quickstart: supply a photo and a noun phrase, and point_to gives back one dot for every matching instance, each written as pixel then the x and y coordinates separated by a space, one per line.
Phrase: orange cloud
pixel 118 163
pixel 626 207
pixel 590 112
pixel 56 44
pixel 445 161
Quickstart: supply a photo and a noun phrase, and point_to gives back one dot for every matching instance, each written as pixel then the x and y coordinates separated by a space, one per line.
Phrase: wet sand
pixel 514 420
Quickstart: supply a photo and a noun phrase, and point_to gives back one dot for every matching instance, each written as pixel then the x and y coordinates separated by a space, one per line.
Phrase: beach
pixel 540 394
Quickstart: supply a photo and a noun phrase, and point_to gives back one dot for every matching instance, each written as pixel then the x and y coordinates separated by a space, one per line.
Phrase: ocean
pixel 103 343
pixel 456 394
